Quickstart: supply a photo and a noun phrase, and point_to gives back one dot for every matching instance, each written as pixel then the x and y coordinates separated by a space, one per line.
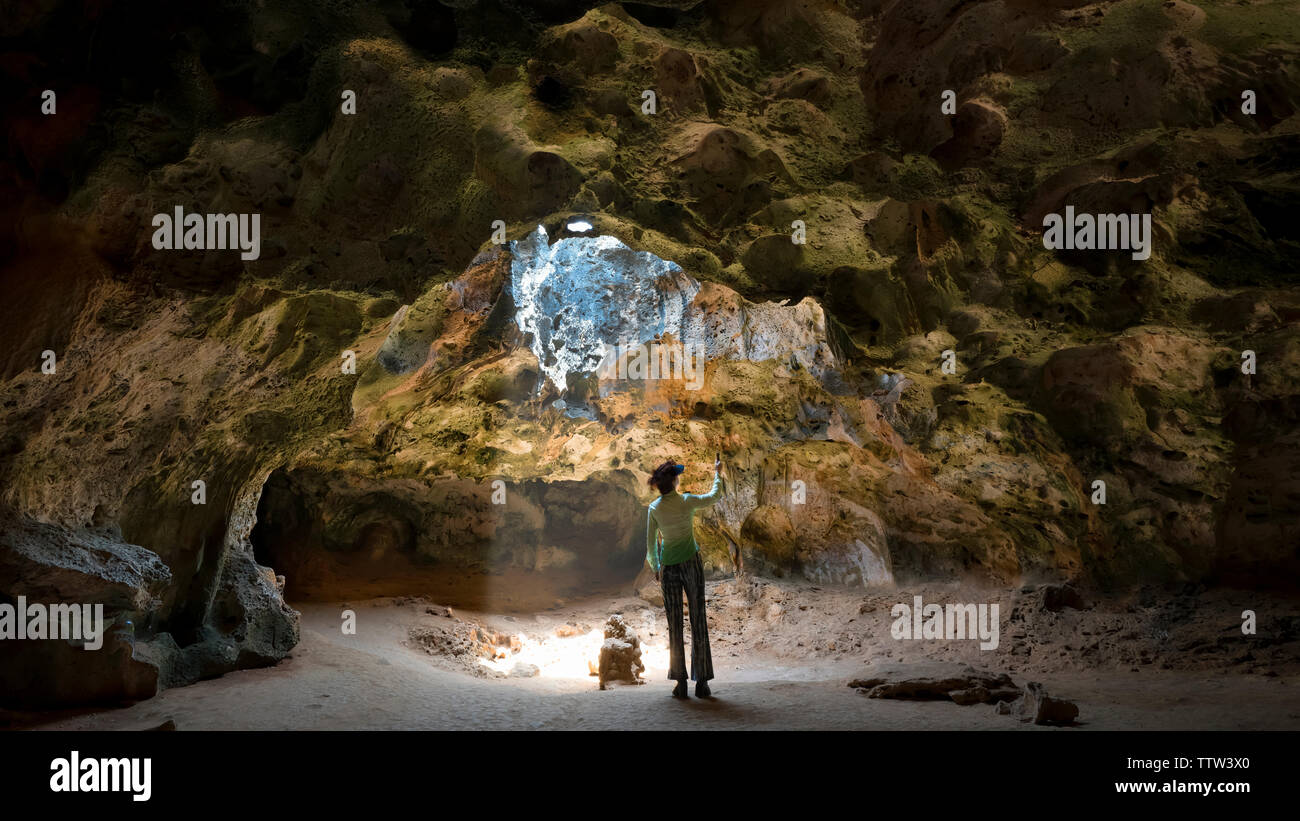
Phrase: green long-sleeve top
pixel 673 515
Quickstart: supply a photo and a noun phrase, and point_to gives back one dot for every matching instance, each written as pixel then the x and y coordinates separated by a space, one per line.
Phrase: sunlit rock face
pixel 582 292
pixel 583 295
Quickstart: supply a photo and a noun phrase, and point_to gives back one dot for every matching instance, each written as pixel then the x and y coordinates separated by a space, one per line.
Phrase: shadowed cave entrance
pixel 506 547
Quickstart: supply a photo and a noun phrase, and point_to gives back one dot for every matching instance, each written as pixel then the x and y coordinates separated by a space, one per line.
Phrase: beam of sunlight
pixel 575 657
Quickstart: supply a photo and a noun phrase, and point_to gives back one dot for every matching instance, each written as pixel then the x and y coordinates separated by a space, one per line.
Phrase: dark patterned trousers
pixel 689 577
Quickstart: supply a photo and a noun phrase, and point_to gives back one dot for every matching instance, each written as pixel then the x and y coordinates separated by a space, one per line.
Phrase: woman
pixel 677 565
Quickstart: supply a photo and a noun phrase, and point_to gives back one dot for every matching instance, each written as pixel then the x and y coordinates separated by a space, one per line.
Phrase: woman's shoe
pixel 702 689
pixel 680 690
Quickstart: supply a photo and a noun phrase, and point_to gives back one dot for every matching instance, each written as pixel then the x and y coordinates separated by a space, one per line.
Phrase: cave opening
pixel 483 545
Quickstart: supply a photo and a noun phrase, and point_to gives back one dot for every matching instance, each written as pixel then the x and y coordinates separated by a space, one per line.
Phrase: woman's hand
pixel 717 465
pixel 656 575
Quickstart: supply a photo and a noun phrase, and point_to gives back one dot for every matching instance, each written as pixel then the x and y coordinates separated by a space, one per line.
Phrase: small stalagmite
pixel 620 655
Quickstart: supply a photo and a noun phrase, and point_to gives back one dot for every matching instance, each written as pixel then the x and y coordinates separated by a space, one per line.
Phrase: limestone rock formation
pixel 620 654
pixel 1040 708
pixel 43 561
pixel 967 686
pixel 404 387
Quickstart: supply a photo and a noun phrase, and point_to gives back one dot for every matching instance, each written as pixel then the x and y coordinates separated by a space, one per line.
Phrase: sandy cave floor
pixel 783 655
